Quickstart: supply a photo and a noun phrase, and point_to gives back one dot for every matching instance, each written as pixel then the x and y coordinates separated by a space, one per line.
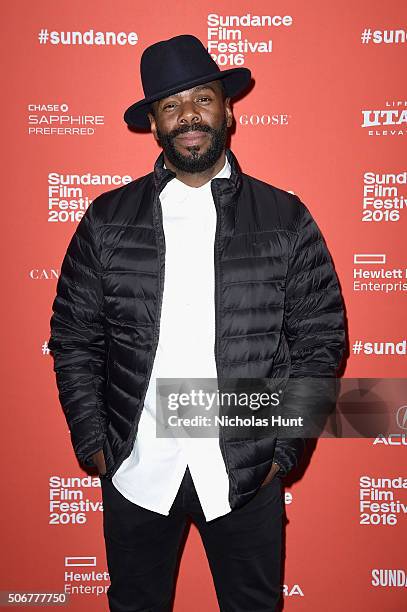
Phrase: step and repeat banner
pixel 327 120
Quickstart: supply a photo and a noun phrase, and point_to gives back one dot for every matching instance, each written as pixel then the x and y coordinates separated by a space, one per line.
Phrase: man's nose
pixel 188 113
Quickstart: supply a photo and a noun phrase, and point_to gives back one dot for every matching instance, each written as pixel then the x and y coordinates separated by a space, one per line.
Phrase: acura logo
pixel 401 417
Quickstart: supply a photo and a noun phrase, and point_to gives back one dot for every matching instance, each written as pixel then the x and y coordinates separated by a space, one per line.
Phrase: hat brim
pixel 235 81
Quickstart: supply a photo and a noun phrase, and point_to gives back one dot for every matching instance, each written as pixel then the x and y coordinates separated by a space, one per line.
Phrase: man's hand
pixel 99 460
pixel 274 469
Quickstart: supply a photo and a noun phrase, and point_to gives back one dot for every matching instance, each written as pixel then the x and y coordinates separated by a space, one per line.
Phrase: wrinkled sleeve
pixel 315 331
pixel 76 340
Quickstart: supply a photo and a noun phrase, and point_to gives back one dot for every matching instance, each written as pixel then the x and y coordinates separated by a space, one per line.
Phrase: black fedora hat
pixel 170 66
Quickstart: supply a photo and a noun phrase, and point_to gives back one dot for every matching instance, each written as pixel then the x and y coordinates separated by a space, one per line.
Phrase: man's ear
pixel 153 125
pixel 228 112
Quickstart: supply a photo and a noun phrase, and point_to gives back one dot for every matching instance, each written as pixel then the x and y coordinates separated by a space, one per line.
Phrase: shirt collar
pixel 225 172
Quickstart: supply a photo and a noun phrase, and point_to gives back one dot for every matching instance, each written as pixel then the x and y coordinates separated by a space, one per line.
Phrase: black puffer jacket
pixel 279 314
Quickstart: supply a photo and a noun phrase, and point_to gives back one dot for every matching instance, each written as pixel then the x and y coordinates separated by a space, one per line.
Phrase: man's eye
pixel 204 98
pixel 168 105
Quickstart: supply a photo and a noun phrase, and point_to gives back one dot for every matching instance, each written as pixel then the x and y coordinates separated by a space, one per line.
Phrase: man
pixel 195 270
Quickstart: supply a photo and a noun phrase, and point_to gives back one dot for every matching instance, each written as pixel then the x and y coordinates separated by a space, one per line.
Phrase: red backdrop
pixel 327 120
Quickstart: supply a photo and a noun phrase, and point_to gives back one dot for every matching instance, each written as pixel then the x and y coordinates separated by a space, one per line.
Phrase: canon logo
pixel 263 120
pixel 43 274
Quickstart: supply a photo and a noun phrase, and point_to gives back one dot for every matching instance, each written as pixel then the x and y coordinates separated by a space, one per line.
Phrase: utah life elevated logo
pixel 388 121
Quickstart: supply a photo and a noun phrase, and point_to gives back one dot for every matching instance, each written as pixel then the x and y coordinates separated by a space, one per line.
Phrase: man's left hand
pixel 274 469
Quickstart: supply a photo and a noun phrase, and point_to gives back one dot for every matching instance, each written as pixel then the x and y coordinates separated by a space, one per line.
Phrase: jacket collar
pixel 228 187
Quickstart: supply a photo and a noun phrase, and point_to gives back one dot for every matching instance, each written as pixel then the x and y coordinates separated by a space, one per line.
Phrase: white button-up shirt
pixel 151 475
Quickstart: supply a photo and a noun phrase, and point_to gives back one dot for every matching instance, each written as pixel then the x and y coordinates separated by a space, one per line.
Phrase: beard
pixel 194 161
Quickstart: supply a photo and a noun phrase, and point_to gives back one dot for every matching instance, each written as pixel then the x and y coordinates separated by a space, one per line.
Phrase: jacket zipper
pixel 217 310
pixel 159 232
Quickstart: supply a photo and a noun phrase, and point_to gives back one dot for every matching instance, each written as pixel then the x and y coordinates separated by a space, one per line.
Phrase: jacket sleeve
pixel 314 328
pixel 76 341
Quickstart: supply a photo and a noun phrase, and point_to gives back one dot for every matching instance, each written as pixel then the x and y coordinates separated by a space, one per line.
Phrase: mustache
pixel 186 129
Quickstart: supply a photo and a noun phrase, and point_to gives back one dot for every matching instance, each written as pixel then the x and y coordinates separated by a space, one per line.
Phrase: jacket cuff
pixel 288 453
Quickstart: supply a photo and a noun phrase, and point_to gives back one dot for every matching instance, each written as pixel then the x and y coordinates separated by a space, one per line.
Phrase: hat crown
pixel 177 64
pixel 169 62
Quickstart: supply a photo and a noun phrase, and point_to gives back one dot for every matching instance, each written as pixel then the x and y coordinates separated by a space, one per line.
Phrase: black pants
pixel 243 549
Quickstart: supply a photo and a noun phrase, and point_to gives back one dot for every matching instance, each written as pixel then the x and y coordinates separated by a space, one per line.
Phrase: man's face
pixel 191 126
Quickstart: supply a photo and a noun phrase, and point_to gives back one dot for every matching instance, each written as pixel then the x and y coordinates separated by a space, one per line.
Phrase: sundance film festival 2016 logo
pixel 56 120
pixel 69 500
pixel 67 200
pixel 382 500
pixel 382 201
pixel 227 43
pixel 388 121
